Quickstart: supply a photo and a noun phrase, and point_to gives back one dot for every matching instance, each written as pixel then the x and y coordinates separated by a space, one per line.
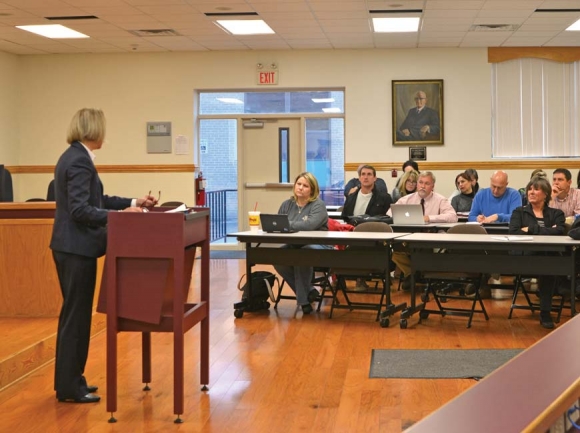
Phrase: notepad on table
pixel 513 238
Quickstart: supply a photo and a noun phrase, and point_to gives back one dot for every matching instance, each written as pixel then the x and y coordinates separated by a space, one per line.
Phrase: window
pixel 535 109
pixel 271 102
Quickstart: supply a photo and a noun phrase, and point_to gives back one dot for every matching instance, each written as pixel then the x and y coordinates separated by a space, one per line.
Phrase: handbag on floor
pixel 262 290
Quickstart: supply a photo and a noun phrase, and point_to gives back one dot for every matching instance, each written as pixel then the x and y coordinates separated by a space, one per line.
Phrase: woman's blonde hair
pixel 412 175
pixel 88 124
pixel 314 189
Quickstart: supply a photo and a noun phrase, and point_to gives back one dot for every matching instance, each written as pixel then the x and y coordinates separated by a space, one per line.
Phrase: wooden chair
pixel 437 279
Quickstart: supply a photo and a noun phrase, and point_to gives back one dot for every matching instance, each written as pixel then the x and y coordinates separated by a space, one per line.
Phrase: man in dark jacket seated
pixel 368 200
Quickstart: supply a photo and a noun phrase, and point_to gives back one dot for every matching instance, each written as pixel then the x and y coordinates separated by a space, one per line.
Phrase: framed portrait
pixel 417 112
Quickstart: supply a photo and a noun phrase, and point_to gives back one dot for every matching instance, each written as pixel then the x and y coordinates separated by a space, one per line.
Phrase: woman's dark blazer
pixel 523 216
pixel 80 221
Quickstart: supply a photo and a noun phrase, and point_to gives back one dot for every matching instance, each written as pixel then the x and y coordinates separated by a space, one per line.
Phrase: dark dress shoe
pixel 546 320
pixel 307 309
pixel 313 295
pixel 92 388
pixel 88 398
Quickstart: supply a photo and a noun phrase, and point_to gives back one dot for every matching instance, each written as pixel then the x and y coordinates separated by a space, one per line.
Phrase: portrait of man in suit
pixel 417 113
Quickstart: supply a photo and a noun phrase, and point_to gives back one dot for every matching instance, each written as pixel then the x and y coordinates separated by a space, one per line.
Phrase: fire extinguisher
pixel 200 190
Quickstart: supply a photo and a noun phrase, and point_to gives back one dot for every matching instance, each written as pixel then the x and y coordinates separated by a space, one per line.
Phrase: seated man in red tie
pixel 436 209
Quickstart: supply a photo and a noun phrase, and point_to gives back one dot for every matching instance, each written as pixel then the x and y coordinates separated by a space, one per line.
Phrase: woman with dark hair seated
pixel 537 218
pixel 462 202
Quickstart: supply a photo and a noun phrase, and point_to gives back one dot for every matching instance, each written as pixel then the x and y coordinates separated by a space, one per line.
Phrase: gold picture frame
pixel 417 112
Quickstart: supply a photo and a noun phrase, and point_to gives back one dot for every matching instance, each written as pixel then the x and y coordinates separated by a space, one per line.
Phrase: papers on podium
pixel 180 208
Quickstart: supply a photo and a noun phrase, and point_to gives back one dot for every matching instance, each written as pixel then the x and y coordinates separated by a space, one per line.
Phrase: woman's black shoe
pixel 307 309
pixel 313 296
pixel 546 320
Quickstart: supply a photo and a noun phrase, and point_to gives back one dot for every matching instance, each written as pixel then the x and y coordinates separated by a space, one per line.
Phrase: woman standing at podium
pixel 79 237
pixel 306 212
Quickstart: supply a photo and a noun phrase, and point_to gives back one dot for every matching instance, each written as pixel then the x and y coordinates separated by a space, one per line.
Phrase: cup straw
pixel 256 207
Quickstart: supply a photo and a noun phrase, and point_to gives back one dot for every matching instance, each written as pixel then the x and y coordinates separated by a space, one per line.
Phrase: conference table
pixel 477 253
pixel 369 251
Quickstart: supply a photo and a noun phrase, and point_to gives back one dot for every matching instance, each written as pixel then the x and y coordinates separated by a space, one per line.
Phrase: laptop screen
pixel 409 214
pixel 275 223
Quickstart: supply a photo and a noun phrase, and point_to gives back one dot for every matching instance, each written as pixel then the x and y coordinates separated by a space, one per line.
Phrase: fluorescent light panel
pixel 574 27
pixel 332 110
pixel 230 100
pixel 54 31
pixel 245 27
pixel 396 25
pixel 322 100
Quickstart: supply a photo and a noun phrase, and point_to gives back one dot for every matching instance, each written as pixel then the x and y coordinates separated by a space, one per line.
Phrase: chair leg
pixel 279 297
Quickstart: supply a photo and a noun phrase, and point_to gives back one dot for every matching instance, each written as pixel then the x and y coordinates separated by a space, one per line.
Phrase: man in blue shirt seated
pixel 496 203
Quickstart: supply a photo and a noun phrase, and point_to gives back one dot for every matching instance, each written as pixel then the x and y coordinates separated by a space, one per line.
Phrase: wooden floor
pixel 271 372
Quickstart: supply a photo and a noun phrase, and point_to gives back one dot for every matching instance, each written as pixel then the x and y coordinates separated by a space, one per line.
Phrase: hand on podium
pixel 148 201
pixel 134 209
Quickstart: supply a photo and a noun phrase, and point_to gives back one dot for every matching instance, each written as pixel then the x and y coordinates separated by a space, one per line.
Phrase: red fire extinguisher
pixel 200 190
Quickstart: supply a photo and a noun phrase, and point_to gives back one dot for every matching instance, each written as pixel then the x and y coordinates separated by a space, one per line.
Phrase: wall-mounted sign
pixel 267 77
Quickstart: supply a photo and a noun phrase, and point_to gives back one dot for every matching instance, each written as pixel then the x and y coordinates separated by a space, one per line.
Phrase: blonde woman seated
pixel 537 218
pixel 407 185
pixel 306 212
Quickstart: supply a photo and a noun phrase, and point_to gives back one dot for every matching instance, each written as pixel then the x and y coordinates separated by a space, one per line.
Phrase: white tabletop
pixel 318 235
pixel 476 238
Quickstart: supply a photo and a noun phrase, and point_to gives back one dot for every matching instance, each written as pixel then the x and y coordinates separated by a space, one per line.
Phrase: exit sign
pixel 268 77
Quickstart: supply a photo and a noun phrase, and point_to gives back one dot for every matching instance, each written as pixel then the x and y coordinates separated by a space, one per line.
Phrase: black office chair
pixel 6 192
pixel 172 204
pixel 438 280
pixel 50 192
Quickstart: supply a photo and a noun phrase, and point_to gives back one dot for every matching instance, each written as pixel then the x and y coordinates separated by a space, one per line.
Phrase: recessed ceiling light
pixel 574 27
pixel 245 27
pixel 395 25
pixel 322 100
pixel 54 31
pixel 332 110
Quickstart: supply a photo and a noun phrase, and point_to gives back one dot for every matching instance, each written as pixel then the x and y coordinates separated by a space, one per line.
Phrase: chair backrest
pixel 6 192
pixel 373 226
pixel 50 192
pixel 470 229
pixel 172 203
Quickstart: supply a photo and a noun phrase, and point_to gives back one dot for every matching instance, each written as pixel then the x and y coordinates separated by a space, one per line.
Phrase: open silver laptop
pixel 275 223
pixel 407 214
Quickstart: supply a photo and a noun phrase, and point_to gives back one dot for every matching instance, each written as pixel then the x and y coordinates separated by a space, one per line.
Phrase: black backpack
pixel 262 290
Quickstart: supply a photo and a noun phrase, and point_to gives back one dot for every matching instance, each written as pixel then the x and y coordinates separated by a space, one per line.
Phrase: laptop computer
pixel 275 223
pixel 408 214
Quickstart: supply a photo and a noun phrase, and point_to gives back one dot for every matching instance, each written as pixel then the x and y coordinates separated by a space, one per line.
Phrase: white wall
pixel 135 88
pixel 9 129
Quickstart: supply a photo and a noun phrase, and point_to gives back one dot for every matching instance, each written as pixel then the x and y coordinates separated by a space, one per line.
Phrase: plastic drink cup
pixel 254 220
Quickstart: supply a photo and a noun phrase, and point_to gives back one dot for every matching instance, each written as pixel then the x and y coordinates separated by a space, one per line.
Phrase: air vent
pixel 494 28
pixel 154 32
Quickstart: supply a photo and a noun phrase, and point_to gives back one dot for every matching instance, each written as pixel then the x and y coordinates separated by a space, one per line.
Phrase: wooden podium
pixel 145 286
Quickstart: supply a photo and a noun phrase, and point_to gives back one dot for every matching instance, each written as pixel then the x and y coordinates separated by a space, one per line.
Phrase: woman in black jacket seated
pixel 537 218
